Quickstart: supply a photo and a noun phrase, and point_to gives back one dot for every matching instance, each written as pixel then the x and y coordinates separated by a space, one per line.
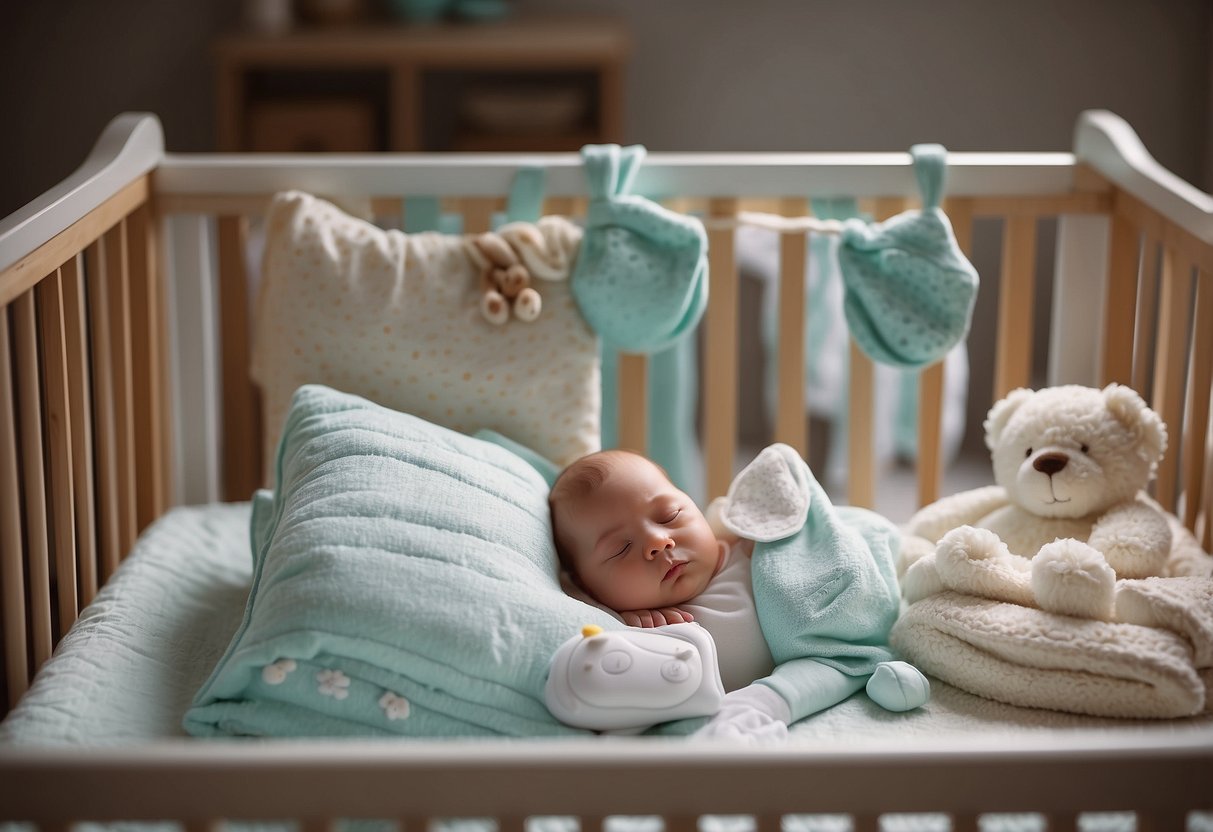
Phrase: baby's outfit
pixel 726 610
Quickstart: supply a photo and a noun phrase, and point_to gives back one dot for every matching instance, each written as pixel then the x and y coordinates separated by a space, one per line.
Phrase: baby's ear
pixel 715 521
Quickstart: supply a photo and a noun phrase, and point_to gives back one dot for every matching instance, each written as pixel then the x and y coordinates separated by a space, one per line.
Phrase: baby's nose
pixel 659 546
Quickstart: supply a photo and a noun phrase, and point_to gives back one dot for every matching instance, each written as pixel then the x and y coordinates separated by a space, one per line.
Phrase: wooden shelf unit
pixel 392 65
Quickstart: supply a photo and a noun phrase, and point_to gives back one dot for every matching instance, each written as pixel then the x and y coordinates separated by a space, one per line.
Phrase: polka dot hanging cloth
pixel 641 277
pixel 909 289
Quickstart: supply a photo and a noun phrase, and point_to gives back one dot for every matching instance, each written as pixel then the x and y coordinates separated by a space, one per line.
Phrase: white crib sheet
pixel 129 668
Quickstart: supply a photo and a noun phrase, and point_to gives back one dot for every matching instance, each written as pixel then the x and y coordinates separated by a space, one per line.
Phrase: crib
pixel 124 347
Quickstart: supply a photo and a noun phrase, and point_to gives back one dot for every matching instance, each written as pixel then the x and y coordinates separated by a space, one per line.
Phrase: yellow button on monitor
pixel 590 630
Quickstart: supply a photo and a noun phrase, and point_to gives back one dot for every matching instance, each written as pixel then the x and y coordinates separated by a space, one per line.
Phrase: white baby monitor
pixel 610 680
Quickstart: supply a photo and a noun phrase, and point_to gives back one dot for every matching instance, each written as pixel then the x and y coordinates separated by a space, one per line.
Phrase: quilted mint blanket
pixel 405 583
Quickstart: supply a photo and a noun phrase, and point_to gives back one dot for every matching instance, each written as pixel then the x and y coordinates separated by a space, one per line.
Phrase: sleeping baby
pixel 638 545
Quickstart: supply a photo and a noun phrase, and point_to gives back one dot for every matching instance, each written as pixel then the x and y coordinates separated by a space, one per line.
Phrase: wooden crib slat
pixel 109 546
pixel 965 823
pixel 147 334
pixel 768 823
pixel 117 284
pixel 478 214
pixel 561 206
pixel 12 565
pixel 25 273
pixel 1120 302
pixel 59 430
pixel 720 354
pixel 1016 293
pixel 931 379
pixel 79 402
pixel 1200 380
pixel 929 460
pixel 1205 533
pixel 1147 315
pixel 511 823
pixel 242 452
pixel 865 823
pixel 861 427
pixel 790 421
pixel 25 341
pixel 1058 822
pixel 681 823
pixel 1169 365
pixel 861 473
pixel 633 402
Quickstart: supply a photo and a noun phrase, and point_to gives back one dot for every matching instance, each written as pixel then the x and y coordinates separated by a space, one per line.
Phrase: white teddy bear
pixel 1068 515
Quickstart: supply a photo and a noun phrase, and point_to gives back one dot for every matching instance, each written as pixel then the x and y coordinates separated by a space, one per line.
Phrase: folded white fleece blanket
pixel 1154 661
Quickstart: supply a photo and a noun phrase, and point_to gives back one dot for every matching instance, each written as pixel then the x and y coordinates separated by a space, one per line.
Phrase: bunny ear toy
pixel 909 288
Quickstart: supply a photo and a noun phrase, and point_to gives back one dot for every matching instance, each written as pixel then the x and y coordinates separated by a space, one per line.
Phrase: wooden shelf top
pixel 520 41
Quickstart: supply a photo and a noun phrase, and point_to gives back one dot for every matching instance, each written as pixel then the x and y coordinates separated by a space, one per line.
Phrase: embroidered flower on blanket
pixel 394 707
pixel 333 683
pixel 275 674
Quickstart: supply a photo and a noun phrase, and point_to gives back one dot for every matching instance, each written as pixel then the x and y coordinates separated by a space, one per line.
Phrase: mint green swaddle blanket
pixel 406 584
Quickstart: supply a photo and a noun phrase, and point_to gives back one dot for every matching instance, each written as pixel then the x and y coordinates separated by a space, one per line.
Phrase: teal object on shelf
pixel 482 10
pixel 909 289
pixel 641 274
pixel 419 11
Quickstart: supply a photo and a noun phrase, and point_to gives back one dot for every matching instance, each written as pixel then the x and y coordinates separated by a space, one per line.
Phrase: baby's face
pixel 637 542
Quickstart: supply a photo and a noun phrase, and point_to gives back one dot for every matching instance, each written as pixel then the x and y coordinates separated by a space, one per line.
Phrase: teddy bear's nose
pixel 1050 463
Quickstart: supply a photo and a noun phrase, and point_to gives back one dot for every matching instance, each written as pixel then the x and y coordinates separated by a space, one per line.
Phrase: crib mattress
pixel 127 671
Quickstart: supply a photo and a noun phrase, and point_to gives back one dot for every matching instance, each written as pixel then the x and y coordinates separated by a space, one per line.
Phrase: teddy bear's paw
pixel 898 686
pixel 527 305
pixel 1135 547
pixel 494 307
pixel 976 562
pixel 921 580
pixel 1071 578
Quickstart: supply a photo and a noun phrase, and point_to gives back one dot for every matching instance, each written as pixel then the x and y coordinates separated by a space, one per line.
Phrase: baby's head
pixel 628 536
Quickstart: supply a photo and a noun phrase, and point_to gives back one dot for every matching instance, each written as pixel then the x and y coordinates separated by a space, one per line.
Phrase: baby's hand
pixel 656 618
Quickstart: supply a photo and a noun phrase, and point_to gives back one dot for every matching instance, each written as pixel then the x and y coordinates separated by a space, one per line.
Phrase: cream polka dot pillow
pixel 396 318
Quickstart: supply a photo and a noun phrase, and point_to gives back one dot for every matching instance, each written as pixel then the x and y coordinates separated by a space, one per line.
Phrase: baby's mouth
pixel 674 571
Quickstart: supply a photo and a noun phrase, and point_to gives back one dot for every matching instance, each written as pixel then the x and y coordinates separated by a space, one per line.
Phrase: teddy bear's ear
pixel 1001 413
pixel 1128 408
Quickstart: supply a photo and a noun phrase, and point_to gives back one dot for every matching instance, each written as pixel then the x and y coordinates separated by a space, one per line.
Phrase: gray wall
pixel 705 75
